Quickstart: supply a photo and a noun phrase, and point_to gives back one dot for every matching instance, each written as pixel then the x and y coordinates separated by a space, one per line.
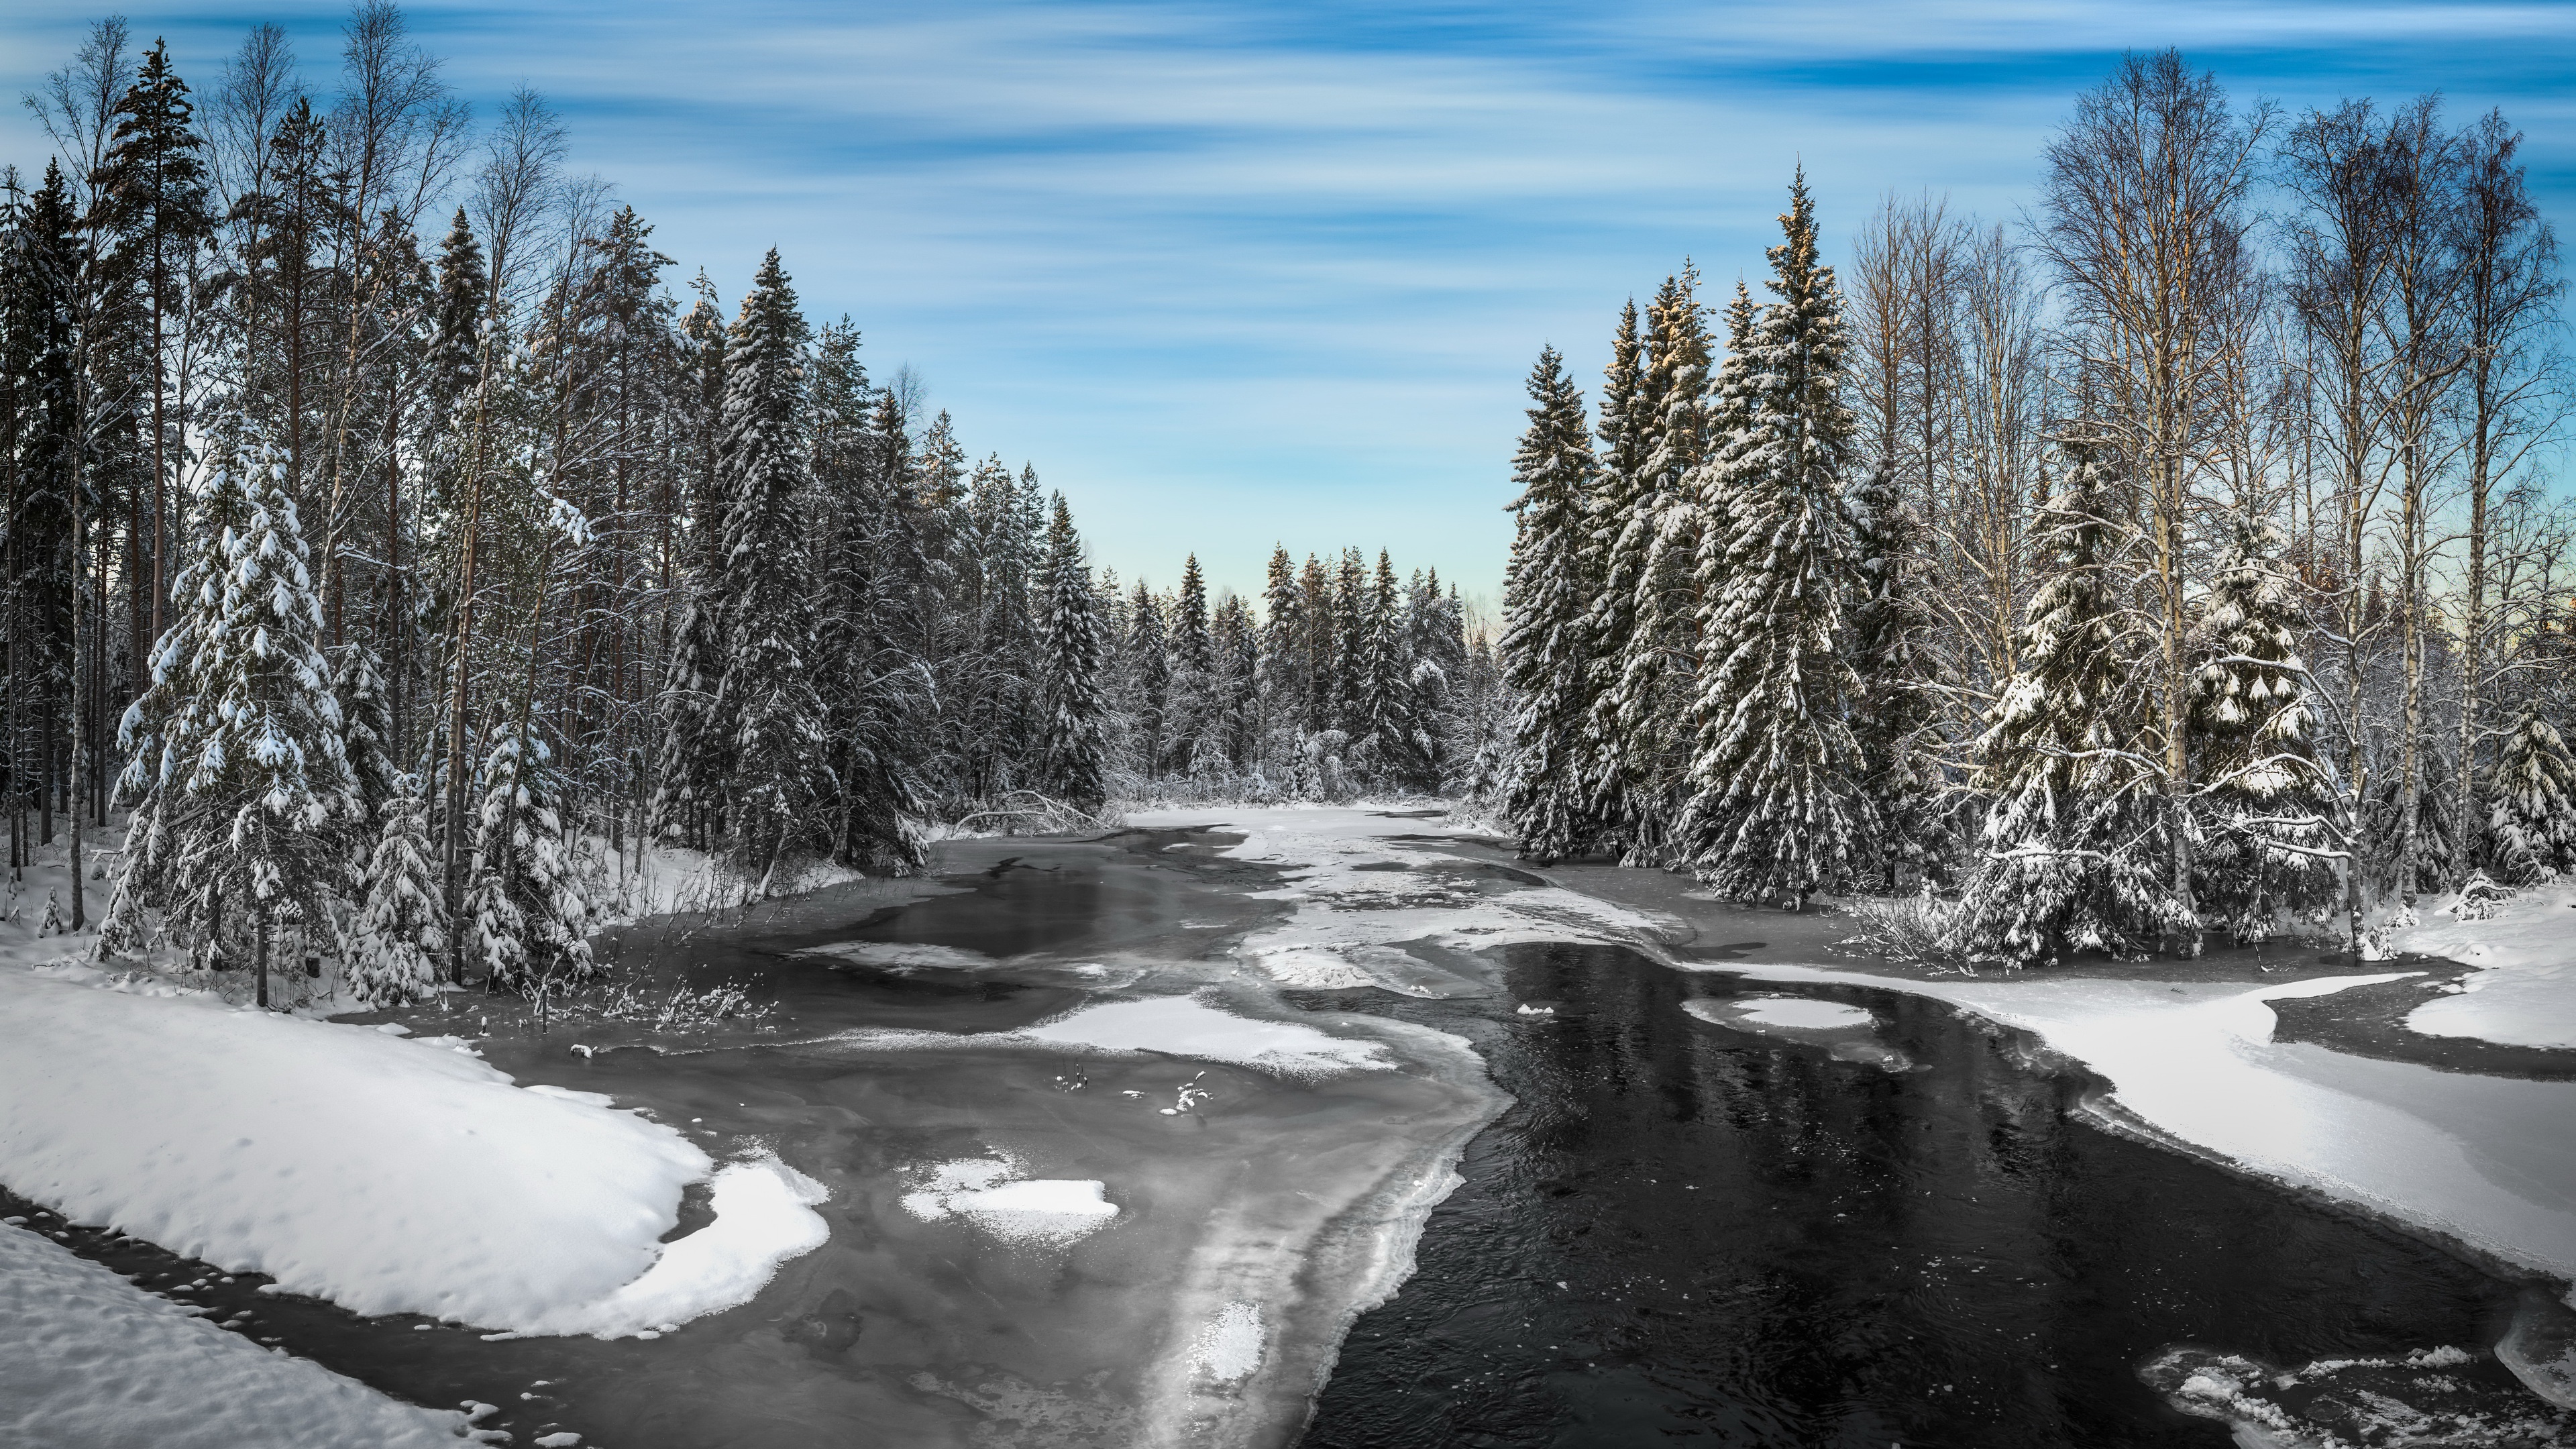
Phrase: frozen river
pixel 1686 1209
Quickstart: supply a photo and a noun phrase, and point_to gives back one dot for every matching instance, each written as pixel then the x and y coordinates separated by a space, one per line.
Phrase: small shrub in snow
pixel 1907 928
pixel 2480 898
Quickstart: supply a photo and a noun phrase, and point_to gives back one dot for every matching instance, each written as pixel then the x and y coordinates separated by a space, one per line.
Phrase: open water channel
pixel 1667 1226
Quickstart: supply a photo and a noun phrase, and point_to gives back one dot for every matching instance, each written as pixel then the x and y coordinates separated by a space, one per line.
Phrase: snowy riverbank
pixel 383 1174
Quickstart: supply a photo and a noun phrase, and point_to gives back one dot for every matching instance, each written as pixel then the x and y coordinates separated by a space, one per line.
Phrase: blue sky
pixel 1230 274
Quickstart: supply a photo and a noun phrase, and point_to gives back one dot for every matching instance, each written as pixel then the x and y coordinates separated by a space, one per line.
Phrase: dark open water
pixel 1687 1234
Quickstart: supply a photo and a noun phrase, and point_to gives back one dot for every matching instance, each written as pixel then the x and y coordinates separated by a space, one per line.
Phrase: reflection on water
pixel 1683 1232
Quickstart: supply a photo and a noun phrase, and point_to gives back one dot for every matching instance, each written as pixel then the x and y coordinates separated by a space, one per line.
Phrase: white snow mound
pixel 2525 993
pixel 386 1174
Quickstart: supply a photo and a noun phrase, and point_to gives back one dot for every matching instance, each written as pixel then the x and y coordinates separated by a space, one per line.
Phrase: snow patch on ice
pixel 994 1195
pixel 1801 1013
pixel 902 954
pixel 1228 1349
pixel 1184 1026
pixel 1359 894
pixel 86 1358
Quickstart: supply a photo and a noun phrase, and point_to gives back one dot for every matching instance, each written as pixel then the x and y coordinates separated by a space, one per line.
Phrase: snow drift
pixel 386 1175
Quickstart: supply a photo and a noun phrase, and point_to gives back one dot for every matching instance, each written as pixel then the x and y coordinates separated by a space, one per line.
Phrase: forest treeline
pixel 2182 557
pixel 396 558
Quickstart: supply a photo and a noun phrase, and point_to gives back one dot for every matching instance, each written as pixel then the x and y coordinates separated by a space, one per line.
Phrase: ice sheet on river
pixel 1360 892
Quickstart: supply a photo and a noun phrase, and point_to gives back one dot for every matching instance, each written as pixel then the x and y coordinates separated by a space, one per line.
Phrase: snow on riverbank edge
pixel 2524 990
pixel 385 1175
pixel 87 1359
pixel 2484 1162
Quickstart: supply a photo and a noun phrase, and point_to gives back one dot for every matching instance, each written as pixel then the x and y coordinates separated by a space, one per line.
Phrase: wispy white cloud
pixel 1230 272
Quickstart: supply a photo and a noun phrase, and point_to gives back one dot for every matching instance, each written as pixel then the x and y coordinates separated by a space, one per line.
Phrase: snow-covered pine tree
pixel 1893 714
pixel 1148 682
pixel 1323 647
pixel 464 296
pixel 2266 807
pixel 1193 725
pixel 400 935
pixel 1611 622
pixel 2531 809
pixel 367 728
pixel 1775 804
pixel 871 683
pixel 1072 747
pixel 239 776
pixel 768 606
pixel 1436 641
pixel 1655 558
pixel 696 753
pixel 1388 744
pixel 1547 600
pixel 1238 682
pixel 1286 671
pixel 527 917
pixel 2069 858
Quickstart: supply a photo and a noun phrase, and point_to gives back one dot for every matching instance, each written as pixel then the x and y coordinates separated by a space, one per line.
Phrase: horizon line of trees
pixel 404 591
pixel 2162 566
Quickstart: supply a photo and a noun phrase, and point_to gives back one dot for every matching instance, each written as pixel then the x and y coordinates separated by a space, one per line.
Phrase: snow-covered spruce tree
pixel 2266 811
pixel 1286 673
pixel 1192 726
pixel 1436 641
pixel 1547 598
pixel 367 728
pixel 527 917
pixel 1893 713
pixel 874 682
pixel 1238 684
pixel 1147 682
pixel 696 753
pixel 1611 621
pixel 1654 558
pixel 2070 856
pixel 1775 806
pixel 1072 748
pixel 2531 801
pixel 239 779
pixel 400 935
pixel 1387 748
pixel 779 782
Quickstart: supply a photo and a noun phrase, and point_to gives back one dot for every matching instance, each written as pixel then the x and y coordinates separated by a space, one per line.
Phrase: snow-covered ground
pixel 384 1174
pixel 87 1359
pixel 2524 993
